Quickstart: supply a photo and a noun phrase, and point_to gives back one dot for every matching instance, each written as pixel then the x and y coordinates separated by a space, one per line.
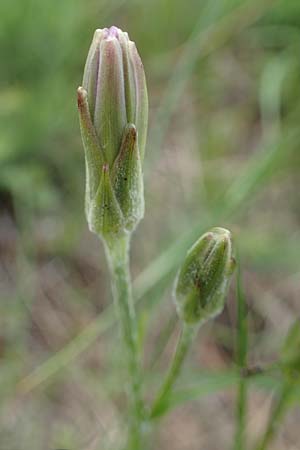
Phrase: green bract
pixel 113 112
pixel 202 282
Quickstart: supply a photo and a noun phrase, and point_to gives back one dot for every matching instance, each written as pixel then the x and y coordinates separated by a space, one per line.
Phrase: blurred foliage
pixel 223 149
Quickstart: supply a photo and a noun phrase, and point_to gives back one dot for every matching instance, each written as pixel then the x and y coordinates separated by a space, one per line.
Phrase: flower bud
pixel 202 282
pixel 113 113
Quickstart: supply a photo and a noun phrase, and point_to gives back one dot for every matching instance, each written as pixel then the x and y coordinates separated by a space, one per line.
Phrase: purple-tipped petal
pixel 112 33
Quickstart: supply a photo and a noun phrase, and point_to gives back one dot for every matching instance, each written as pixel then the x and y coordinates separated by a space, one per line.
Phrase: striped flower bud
pixel 113 113
pixel 202 282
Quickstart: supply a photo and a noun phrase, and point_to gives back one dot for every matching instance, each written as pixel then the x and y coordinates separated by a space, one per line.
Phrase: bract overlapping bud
pixel 113 113
pixel 202 282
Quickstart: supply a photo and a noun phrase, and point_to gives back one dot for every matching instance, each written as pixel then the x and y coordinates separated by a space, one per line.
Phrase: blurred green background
pixel 223 149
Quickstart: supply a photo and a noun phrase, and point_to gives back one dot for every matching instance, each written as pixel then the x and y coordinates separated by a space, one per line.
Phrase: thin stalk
pixel 241 408
pixel 241 360
pixel 185 339
pixel 276 416
pixel 117 252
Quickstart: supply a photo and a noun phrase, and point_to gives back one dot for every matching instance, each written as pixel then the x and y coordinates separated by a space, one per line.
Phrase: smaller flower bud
pixel 202 282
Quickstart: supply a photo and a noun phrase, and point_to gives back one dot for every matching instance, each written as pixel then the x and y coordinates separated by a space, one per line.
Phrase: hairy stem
pixel 183 345
pixel 117 251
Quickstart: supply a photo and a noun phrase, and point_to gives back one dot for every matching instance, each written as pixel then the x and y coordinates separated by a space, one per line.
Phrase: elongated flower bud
pixel 113 113
pixel 202 281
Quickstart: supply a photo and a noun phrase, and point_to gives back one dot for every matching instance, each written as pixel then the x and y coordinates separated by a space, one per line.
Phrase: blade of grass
pixel 211 382
pixel 279 408
pixel 241 360
pixel 209 34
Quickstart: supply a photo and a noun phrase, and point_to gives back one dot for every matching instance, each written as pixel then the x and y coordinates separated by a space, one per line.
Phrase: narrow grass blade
pixel 241 360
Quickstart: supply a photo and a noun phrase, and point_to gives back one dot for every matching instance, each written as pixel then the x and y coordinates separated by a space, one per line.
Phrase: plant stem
pixel 117 252
pixel 277 413
pixel 186 336
pixel 241 414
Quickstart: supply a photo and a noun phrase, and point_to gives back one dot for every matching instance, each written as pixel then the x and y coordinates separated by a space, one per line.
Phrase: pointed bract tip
pixel 98 31
pixel 81 96
pixel 132 131
pixel 221 231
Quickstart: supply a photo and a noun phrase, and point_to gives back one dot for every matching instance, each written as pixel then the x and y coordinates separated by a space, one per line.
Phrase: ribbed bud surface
pixel 113 113
pixel 203 279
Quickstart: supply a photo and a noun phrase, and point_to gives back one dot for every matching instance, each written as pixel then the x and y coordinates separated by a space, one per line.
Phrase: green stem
pixel 239 442
pixel 186 336
pixel 117 252
pixel 276 416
